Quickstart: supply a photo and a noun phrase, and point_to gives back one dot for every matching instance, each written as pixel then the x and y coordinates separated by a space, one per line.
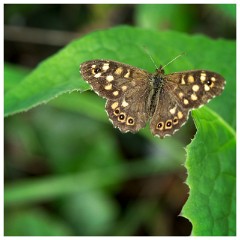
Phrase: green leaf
pixel 211 166
pixel 60 73
pixel 13 75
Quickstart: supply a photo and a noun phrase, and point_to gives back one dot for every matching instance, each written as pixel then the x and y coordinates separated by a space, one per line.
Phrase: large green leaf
pixel 60 73
pixel 13 75
pixel 211 166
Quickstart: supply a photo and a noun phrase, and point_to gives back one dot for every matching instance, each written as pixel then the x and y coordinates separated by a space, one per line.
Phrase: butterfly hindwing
pixel 168 117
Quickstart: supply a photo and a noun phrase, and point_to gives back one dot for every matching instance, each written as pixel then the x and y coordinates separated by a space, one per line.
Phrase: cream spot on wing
pixel 105 66
pixel 114 105
pixel 213 79
pixel 175 120
pixel 116 111
pixel 108 87
pixel 93 66
pixel 119 70
pixel 124 103
pixel 182 80
pixel 130 121
pixel 160 126
pixel 124 88
pixel 194 97
pixel 180 94
pixel 206 87
pixel 185 101
pixel 173 110
pixel 190 79
pixel 122 117
pixel 195 88
pixel 203 77
pixel 168 124
pixel 115 93
pixel 180 115
pixel 127 74
pixel 109 78
pixel 97 75
pixel 212 84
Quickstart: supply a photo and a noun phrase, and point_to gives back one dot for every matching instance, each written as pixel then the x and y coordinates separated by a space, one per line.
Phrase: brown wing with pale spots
pixel 195 88
pixel 131 94
pixel 126 89
pixel 169 115
pixel 180 93
pixel 99 74
pixel 129 112
pixel 109 78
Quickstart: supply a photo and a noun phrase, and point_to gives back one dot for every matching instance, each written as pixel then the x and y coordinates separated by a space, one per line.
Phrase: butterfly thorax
pixel 157 84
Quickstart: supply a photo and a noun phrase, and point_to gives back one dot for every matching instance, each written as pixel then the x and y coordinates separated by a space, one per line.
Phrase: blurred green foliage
pixel 67 171
pixel 209 19
pixel 166 16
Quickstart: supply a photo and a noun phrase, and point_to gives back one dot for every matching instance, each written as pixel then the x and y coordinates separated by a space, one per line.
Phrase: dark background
pixel 95 180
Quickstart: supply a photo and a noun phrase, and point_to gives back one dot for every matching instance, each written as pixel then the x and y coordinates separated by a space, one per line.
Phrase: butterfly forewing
pixel 100 75
pixel 194 88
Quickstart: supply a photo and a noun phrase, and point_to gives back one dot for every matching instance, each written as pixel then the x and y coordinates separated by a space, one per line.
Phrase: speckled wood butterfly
pixel 135 96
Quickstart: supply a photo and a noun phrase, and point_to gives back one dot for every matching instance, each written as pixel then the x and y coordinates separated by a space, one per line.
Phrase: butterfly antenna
pixel 173 59
pixel 147 52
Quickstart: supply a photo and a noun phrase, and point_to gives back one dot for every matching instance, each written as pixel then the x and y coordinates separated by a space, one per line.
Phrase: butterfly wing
pixel 195 88
pixel 126 89
pixel 169 115
pixel 180 93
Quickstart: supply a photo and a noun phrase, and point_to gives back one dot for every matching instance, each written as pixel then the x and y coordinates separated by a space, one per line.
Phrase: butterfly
pixel 135 96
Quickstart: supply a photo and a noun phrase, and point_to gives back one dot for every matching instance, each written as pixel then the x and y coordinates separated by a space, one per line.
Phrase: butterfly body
pixel 135 96
pixel 157 88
